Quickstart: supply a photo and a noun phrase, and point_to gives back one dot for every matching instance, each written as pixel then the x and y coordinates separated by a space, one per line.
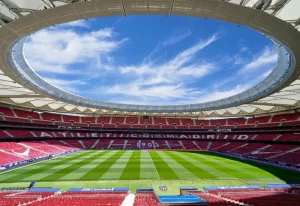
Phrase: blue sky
pixel 155 60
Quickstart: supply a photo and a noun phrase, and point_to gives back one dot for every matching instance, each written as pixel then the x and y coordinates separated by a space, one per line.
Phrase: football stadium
pixel 124 103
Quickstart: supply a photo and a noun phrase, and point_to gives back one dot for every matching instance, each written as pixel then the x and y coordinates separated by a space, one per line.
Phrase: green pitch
pixel 128 168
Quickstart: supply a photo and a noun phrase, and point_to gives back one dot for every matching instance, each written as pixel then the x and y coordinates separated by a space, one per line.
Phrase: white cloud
pixel 68 85
pixel 225 81
pixel 196 70
pixel 153 95
pixel 164 81
pixel 59 48
pixel 238 60
pixel 38 66
pixel 188 54
pixel 182 64
pixel 215 95
pixel 243 49
pixel 79 23
pixel 176 39
pixel 160 91
pixel 264 75
pixel 267 57
pixel 261 62
pixel 168 42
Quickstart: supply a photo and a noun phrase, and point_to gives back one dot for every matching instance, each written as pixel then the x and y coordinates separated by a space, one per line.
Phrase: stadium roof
pixel 279 92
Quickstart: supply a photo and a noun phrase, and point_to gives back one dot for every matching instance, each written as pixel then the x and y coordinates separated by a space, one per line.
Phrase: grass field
pixel 128 168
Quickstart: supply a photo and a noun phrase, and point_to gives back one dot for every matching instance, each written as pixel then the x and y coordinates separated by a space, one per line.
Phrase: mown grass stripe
pixel 97 172
pixel 18 175
pixel 274 171
pixel 243 168
pixel 115 171
pixel 207 166
pixel 83 170
pixel 57 169
pixel 163 169
pixel 179 169
pixel 71 168
pixel 147 167
pixel 221 166
pixel 193 168
pixel 132 168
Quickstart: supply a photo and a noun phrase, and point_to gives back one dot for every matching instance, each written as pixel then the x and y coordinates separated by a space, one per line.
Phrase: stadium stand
pixel 146 199
pixel 187 121
pixel 90 120
pixel 26 114
pixel 271 195
pixel 8 158
pixel 119 120
pixel 202 144
pixel 236 121
pixel 12 152
pixel 290 157
pixel 147 121
pixel 272 150
pixel 103 144
pixel 15 115
pixel 117 144
pixel 182 127
pixel 213 200
pixel 249 148
pixel 60 145
pixel 202 122
pixel 51 117
pixel 230 146
pixel 138 126
pixel 289 137
pixel 83 198
pixel 131 144
pixel 19 133
pixel 132 120
pixel 18 124
pixel 106 120
pixel 285 117
pixel 17 119
pixel 258 197
pixel 159 120
pixel 218 122
pixel 20 198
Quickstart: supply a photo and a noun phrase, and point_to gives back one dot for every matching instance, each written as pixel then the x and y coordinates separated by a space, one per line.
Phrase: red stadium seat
pixel 88 119
pixel 146 199
pixel 132 120
pixel 146 121
pixel 6 111
pixel 50 117
pixel 265 119
pixel 26 114
pixel 120 120
pixel 187 121
pixel 202 122
pixel 106 120
pixel 159 120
